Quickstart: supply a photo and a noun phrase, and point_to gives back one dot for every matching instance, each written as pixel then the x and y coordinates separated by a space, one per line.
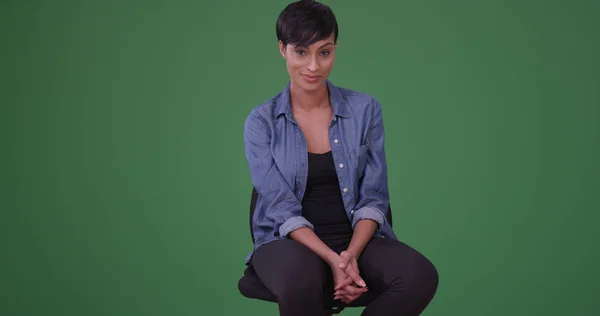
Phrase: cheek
pixel 293 64
pixel 328 64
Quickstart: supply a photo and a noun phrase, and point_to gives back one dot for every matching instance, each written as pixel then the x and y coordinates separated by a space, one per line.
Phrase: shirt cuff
pixel 292 224
pixel 371 213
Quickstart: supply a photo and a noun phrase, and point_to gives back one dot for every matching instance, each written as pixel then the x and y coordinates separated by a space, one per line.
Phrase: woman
pixel 316 158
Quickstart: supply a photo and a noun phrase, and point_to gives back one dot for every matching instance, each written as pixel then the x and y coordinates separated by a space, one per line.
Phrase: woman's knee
pixel 408 272
pixel 426 279
pixel 415 286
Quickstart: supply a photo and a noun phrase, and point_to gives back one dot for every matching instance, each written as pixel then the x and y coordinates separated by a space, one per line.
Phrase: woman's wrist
pixel 307 237
pixel 332 258
pixel 354 251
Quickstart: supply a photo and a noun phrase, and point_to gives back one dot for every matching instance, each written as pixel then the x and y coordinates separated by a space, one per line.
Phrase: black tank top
pixel 322 204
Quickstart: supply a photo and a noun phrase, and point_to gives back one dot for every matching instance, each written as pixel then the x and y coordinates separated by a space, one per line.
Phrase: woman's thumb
pixel 344 261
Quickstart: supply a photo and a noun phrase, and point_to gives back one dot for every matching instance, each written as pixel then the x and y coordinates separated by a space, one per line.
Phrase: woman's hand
pixel 347 281
pixel 350 264
pixel 347 289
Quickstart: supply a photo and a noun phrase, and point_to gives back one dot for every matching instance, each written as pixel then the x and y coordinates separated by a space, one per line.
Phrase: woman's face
pixel 309 67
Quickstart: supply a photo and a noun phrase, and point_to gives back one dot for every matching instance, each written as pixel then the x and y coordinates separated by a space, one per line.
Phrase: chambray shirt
pixel 278 160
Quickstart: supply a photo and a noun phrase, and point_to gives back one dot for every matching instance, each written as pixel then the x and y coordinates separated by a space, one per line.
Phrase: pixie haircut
pixel 305 22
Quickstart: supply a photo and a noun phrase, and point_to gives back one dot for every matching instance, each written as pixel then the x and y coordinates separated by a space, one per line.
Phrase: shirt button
pixel 345 190
pixel 341 165
pixel 335 141
pixel 352 212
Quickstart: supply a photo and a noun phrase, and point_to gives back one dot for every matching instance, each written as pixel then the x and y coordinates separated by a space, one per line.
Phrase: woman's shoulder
pixel 264 113
pixel 358 101
pixel 353 100
pixel 357 97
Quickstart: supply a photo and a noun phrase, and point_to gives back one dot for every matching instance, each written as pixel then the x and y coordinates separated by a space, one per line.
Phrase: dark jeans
pixel 401 281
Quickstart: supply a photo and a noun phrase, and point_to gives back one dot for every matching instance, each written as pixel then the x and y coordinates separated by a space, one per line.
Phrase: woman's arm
pixel 308 238
pixel 371 209
pixel 374 196
pixel 283 209
pixel 363 232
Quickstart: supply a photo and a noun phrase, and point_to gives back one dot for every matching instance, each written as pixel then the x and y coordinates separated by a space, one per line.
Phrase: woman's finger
pixel 345 260
pixel 347 299
pixel 352 290
pixel 355 266
pixel 355 277
pixel 347 281
pixel 351 293
pixel 342 292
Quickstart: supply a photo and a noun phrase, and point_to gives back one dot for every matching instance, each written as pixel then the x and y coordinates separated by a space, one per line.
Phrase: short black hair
pixel 304 22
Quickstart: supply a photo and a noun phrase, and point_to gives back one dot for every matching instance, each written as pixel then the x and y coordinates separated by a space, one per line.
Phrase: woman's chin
pixel 309 86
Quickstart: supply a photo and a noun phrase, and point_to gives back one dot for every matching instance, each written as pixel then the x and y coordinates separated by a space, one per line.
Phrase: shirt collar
pixel 338 103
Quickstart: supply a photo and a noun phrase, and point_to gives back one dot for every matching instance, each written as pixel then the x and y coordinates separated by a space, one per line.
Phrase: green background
pixel 124 189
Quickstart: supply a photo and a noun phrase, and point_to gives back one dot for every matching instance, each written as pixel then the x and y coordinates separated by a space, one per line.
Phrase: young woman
pixel 316 157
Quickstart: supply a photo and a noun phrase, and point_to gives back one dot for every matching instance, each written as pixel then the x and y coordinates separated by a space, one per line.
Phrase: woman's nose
pixel 313 65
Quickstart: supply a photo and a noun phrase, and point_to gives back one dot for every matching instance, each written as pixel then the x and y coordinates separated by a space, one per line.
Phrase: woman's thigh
pixel 287 265
pixel 391 265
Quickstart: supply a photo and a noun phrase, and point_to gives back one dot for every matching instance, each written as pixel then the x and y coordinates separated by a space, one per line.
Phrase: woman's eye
pixel 300 52
pixel 325 53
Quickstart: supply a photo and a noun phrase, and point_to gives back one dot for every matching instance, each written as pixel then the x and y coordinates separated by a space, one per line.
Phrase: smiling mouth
pixel 311 78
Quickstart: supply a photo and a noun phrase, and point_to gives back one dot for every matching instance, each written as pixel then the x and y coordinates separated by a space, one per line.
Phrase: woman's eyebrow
pixel 330 43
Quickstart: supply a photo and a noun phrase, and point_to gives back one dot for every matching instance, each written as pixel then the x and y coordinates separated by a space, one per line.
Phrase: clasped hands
pixel 348 285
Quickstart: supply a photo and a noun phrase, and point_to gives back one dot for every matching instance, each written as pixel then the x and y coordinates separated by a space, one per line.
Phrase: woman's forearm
pixel 363 232
pixel 308 238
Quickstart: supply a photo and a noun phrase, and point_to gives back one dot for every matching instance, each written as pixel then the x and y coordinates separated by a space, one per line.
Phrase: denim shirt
pixel 278 160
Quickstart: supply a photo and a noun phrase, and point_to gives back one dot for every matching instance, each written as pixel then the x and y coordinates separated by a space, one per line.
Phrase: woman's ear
pixel 282 49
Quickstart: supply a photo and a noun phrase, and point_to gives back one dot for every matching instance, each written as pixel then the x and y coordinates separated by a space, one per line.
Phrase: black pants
pixel 401 281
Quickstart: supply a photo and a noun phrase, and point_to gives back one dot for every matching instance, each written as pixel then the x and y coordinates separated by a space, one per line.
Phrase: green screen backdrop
pixel 124 189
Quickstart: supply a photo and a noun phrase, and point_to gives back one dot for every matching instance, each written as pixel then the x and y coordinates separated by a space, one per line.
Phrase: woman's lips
pixel 311 79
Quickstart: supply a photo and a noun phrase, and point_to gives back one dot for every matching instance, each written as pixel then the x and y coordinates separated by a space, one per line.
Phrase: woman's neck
pixel 309 100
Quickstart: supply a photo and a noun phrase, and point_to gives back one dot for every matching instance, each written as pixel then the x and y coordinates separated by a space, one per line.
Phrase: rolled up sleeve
pixel 293 223
pixel 368 212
